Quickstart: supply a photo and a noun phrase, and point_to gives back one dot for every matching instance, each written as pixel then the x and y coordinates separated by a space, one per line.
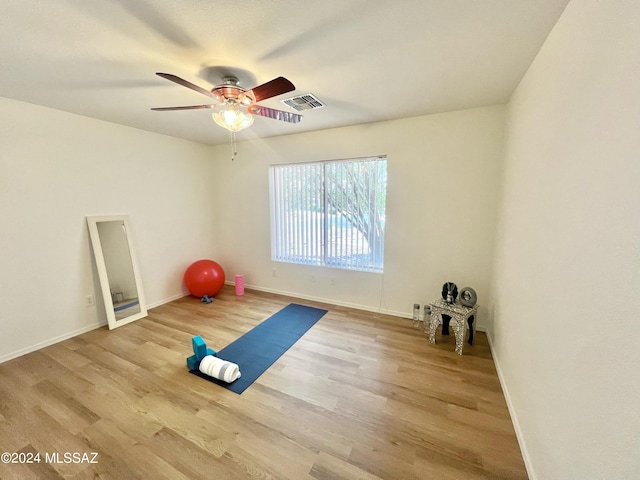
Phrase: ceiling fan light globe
pixel 233 119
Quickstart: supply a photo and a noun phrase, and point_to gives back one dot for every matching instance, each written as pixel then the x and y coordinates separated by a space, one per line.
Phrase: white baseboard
pixel 326 300
pixel 50 341
pixel 479 328
pixel 75 333
pixel 167 300
pixel 514 418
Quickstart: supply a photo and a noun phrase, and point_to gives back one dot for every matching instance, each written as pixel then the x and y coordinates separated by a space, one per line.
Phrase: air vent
pixel 303 102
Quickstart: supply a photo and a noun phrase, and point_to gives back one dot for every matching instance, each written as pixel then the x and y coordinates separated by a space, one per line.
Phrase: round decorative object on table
pixel 468 297
pixel 449 292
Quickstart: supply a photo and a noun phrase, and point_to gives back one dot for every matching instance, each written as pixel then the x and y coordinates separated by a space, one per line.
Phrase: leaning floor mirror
pixel 117 269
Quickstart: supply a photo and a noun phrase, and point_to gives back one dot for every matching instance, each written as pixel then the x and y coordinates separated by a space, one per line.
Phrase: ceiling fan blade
pixel 184 83
pixel 277 86
pixel 190 107
pixel 275 114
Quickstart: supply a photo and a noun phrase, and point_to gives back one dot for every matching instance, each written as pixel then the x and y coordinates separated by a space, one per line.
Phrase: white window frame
pixel 325 236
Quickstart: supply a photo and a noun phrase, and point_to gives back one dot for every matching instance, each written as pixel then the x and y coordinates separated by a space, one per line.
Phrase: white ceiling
pixel 368 60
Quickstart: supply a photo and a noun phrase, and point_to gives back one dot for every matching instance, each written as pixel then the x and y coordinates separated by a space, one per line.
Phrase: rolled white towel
pixel 221 369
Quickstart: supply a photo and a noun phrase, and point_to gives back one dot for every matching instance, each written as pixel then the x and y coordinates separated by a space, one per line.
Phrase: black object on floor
pixel 446 319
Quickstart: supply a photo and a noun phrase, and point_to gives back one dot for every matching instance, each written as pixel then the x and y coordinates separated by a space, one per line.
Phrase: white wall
pixel 443 178
pixel 56 168
pixel 567 277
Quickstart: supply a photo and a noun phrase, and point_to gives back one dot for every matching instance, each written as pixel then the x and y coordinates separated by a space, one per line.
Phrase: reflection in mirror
pixel 117 269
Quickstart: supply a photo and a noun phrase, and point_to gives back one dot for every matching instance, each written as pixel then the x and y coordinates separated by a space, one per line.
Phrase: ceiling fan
pixel 232 97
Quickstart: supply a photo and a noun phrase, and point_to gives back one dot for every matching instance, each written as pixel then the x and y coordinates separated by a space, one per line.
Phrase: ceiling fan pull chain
pixel 233 146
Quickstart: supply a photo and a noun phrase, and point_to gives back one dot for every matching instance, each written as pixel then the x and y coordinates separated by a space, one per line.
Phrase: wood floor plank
pixel 64 408
pixel 328 467
pixel 191 459
pixel 361 396
pixel 66 356
pixel 136 457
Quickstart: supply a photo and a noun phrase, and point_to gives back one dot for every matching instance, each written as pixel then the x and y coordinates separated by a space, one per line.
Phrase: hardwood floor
pixel 359 396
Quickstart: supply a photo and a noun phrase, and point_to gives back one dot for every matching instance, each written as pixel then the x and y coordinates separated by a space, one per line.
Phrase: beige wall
pixel 567 274
pixel 189 201
pixel 56 168
pixel 443 183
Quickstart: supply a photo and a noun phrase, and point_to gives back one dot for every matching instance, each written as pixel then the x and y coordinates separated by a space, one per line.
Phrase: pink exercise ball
pixel 204 277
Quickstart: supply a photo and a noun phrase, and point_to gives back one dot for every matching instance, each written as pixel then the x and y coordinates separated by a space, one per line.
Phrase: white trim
pixel 75 333
pixel 50 341
pixel 479 328
pixel 326 300
pixel 308 238
pixel 167 300
pixel 514 418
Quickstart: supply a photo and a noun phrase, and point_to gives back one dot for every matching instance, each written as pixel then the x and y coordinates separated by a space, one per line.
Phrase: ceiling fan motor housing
pixel 230 91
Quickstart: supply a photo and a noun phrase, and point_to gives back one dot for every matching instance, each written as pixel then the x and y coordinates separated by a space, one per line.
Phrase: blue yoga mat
pixel 125 306
pixel 259 348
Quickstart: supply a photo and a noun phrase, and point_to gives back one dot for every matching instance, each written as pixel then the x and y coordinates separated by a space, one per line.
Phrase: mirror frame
pixel 92 224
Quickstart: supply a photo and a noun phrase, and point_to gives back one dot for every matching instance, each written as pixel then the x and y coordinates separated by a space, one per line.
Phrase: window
pixel 329 213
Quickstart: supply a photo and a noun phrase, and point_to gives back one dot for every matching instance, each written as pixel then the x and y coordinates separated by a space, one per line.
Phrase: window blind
pixel 329 213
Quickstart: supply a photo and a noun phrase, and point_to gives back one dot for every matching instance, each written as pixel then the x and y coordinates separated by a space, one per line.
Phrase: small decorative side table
pixel 460 317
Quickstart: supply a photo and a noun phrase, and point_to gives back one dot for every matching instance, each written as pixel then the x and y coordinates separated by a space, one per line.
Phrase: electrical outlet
pixel 332 281
pixel 273 273
pixel 89 300
pixel 313 279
